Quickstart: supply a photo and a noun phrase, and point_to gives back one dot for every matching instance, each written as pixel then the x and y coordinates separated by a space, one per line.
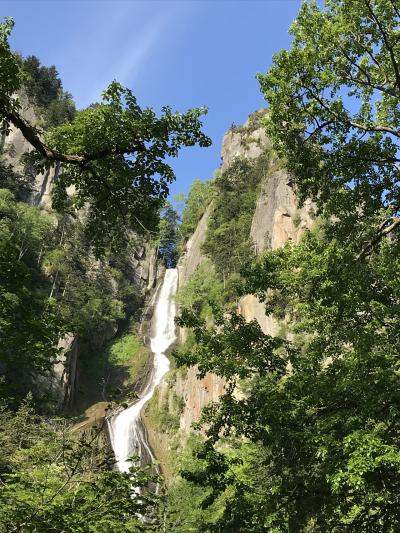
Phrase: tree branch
pixel 387 43
pixel 369 83
pixel 318 129
pixel 31 135
pixel 395 8
pixel 338 118
pixel 383 230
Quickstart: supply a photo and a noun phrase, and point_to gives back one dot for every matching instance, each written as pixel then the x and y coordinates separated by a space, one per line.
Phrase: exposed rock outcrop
pixel 64 371
pixel 193 254
pixel 197 393
pixel 277 219
pixel 248 141
pixel 14 145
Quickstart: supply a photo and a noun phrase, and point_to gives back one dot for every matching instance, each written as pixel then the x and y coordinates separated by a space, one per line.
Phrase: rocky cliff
pixel 276 219
pixel 14 146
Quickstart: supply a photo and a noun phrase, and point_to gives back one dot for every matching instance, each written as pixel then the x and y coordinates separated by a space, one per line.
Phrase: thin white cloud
pixel 140 47
pixel 137 49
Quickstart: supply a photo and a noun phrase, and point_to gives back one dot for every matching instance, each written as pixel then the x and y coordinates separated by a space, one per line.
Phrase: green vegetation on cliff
pixel 228 242
pixel 51 285
pixel 196 202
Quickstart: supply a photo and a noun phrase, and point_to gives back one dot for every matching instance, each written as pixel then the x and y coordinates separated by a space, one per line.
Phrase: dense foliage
pixel 29 323
pixel 203 291
pixel 228 242
pixel 333 111
pixel 307 435
pixel 168 235
pixel 113 153
pixel 311 415
pixel 50 284
pixel 54 480
pixel 195 204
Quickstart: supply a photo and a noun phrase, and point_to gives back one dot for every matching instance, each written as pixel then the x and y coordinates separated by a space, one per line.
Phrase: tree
pixel 196 203
pixel 228 241
pixel 167 236
pixel 43 84
pixel 113 154
pixel 333 112
pixel 55 480
pixel 29 324
pixel 319 405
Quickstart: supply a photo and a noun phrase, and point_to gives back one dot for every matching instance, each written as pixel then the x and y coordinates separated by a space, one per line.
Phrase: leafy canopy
pixel 333 113
pixel 112 154
pixel 317 404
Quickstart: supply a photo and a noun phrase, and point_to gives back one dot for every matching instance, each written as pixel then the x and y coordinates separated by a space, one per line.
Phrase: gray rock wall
pixel 15 145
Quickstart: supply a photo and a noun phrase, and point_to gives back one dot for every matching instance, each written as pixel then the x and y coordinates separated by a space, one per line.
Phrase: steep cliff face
pixel 196 393
pixel 247 141
pixel 193 254
pixel 277 219
pixel 14 145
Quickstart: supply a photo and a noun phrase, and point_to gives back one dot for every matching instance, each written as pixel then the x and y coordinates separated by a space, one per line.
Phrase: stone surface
pixel 197 393
pixel 193 255
pixel 277 217
pixel 15 145
pixel 239 142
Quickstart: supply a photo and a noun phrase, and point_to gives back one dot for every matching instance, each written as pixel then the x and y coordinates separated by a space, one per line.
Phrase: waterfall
pixel 127 433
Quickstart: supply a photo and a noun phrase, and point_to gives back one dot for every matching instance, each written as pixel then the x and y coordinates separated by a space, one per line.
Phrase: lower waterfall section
pixel 127 433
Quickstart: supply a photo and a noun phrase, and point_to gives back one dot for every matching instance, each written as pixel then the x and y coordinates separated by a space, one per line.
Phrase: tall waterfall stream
pixel 127 433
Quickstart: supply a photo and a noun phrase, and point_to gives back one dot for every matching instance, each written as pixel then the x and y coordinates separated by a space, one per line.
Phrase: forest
pixel 280 410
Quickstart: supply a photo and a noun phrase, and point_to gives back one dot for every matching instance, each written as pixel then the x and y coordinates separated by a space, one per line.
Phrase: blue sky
pixel 185 53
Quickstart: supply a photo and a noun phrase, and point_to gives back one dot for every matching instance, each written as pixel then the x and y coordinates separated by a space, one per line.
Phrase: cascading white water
pixel 127 433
